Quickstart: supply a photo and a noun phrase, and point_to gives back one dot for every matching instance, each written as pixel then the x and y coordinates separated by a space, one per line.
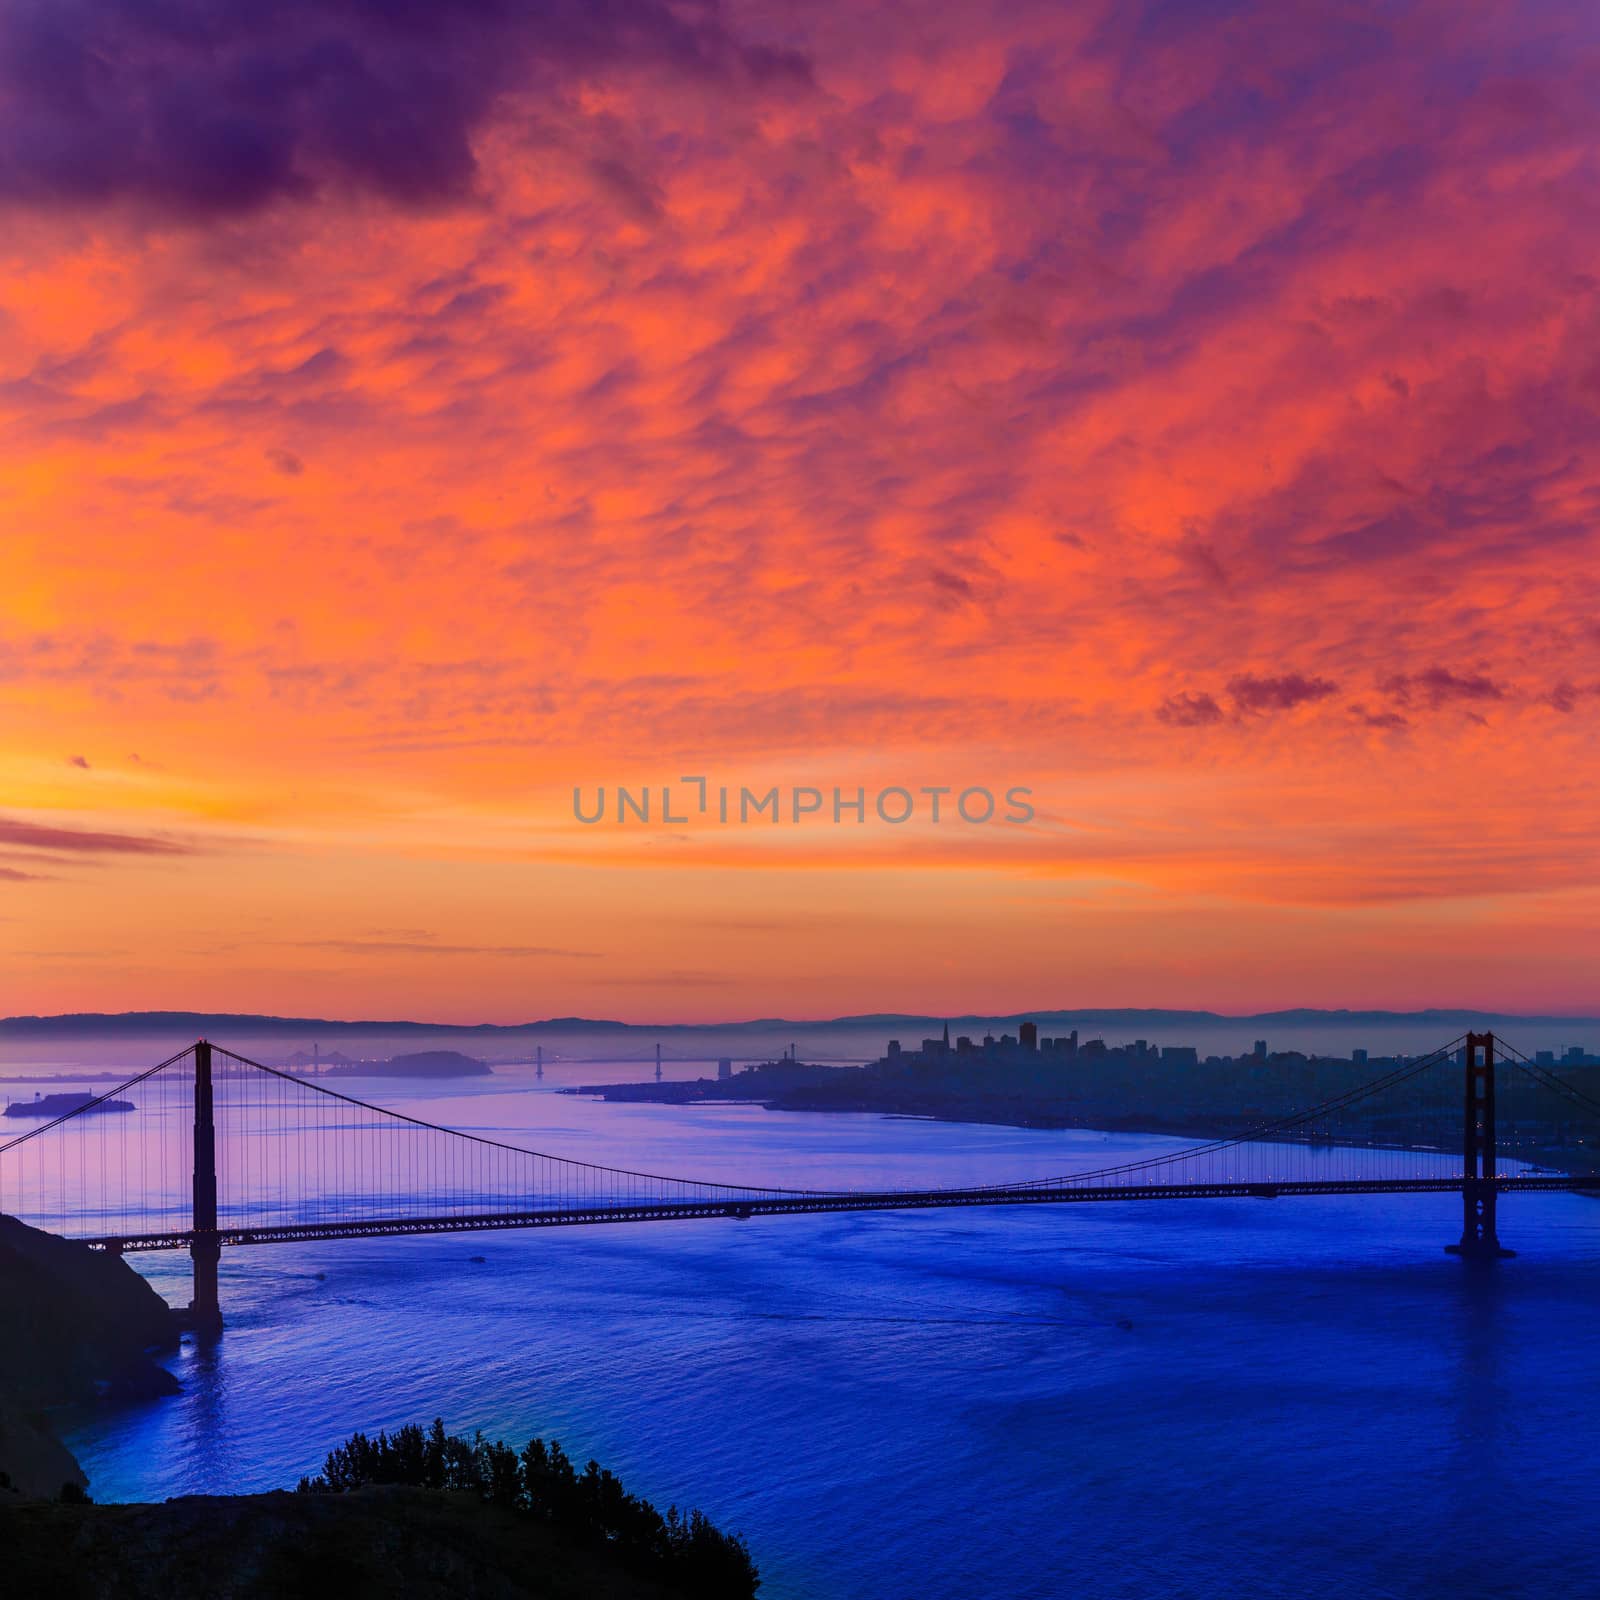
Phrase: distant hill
pixel 429 1064
pixel 100 1024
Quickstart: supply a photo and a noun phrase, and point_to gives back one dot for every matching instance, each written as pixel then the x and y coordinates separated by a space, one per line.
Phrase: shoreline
pixel 1195 1128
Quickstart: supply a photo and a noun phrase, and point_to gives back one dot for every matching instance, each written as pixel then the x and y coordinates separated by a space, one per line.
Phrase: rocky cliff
pixel 75 1325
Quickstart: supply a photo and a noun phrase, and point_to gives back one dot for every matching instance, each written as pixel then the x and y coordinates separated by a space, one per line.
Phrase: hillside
pixel 75 1326
pixel 376 1542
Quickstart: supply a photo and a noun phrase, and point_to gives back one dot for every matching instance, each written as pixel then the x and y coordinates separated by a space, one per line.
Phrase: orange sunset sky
pixel 1188 411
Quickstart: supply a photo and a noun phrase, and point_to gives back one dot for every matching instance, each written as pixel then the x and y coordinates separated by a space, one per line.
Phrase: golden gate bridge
pixel 227 1152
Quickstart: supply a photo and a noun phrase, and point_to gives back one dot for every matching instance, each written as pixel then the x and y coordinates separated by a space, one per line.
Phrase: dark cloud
pixel 1251 693
pixel 951 582
pixel 1388 720
pixel 638 197
pixel 211 108
pixel 1188 711
pixel 1564 696
pixel 78 761
pixel 1440 686
pixel 1203 560
pixel 78 841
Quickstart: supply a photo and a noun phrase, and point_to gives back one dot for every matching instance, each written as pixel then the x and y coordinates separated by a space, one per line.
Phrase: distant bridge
pixel 224 1151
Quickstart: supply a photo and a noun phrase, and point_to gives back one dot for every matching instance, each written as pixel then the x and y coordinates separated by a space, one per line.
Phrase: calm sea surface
pixel 1208 1399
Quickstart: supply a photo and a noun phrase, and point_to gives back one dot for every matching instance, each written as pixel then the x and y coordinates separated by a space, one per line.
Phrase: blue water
pixel 1208 1399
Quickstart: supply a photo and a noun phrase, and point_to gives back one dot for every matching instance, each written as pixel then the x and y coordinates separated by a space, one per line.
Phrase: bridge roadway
pixel 805 1204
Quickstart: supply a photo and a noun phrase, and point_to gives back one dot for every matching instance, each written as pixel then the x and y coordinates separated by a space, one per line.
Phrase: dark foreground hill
pixel 379 1541
pixel 417 1514
pixel 75 1326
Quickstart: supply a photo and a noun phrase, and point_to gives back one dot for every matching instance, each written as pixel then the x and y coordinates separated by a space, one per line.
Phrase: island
pixel 418 1064
pixel 433 1064
pixel 58 1105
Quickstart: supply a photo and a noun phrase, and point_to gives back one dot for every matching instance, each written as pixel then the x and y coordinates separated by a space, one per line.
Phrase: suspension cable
pixel 497 1144
pixel 1266 1133
pixel 98 1100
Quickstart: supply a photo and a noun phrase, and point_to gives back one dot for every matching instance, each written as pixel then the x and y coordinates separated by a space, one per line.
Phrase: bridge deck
pixel 792 1205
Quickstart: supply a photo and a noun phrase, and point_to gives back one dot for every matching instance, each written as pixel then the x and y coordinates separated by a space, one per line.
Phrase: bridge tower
pixel 1479 1241
pixel 205 1309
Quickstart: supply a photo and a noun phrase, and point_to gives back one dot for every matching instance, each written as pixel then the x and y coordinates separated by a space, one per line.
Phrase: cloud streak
pixel 87 841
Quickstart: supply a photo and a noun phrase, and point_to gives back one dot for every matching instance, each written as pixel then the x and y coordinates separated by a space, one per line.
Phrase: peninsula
pixel 1031 1081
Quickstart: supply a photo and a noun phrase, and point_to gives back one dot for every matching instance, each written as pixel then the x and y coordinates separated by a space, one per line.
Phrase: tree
pixel 687 1552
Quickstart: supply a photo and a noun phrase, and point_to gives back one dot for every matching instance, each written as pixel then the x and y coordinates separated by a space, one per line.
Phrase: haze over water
pixel 1198 1398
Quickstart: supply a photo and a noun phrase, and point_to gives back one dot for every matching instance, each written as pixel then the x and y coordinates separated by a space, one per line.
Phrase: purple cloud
pixel 1254 694
pixel 1391 721
pixel 209 108
pixel 1188 711
pixel 1440 686
pixel 952 583
pixel 1564 696
pixel 78 841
